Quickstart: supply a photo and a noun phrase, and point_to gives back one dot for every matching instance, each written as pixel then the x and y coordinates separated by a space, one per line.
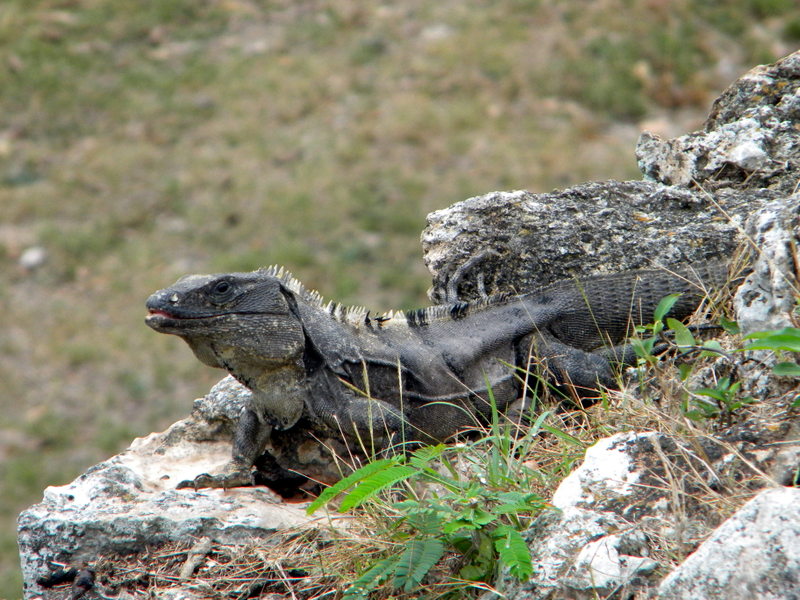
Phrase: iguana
pixel 417 375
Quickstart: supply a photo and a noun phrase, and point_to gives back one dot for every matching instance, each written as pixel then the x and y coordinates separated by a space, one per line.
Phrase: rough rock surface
pixel 754 555
pixel 633 495
pixel 750 139
pixel 516 241
pixel 129 502
pixel 580 550
pixel 575 552
pixel 699 191
pixel 767 297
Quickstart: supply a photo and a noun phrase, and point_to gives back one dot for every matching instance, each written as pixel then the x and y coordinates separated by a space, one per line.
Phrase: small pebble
pixel 32 258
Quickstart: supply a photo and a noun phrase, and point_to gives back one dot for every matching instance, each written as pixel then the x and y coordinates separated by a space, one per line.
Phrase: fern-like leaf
pixel 513 552
pixel 417 559
pixel 369 486
pixel 355 477
pixel 423 456
pixel 362 587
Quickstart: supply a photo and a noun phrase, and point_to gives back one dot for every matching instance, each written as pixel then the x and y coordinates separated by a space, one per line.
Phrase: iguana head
pixel 231 318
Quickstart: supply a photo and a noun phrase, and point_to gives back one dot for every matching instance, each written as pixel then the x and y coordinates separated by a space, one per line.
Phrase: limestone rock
pixel 608 471
pixel 754 555
pixel 129 502
pixel 633 493
pixel 516 241
pixel 601 566
pixel 747 156
pixel 750 140
pixel 588 546
pixel 767 297
pixel 556 539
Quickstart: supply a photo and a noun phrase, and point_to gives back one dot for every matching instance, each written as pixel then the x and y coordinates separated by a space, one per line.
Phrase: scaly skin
pixel 416 376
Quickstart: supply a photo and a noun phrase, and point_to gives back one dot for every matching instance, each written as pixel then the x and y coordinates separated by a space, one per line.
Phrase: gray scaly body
pixel 417 375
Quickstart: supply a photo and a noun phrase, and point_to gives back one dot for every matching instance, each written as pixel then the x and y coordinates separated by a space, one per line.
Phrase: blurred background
pixel 140 141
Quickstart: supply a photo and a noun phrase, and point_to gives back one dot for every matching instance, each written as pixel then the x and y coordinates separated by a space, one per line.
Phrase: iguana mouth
pixel 153 312
pixel 159 318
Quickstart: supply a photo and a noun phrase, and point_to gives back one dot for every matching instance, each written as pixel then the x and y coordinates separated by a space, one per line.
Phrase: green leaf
pixel 683 337
pixel 340 486
pixel 714 349
pixel 518 502
pixel 786 339
pixel 408 505
pixel 644 348
pixel 758 335
pixel 373 484
pixel 664 306
pixel 478 516
pixel 534 428
pixel 458 524
pixel 710 392
pixel 685 369
pixel 730 327
pixel 787 369
pixel 563 435
pixel 422 457
pixel 372 578
pixel 705 405
pixel 696 415
pixel 420 555
pixel 473 573
pixel 514 552
pixel 428 521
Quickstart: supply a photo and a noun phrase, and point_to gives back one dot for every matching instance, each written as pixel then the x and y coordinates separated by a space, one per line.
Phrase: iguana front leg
pixel 372 424
pixel 252 435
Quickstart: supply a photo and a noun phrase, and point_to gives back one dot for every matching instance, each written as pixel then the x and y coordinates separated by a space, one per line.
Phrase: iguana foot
pixel 232 476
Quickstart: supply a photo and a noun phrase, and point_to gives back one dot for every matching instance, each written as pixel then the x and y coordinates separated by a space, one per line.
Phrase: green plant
pixel 683 339
pixel 724 401
pixel 479 522
pixel 779 341
pixel 471 499
pixel 645 347
pixel 721 401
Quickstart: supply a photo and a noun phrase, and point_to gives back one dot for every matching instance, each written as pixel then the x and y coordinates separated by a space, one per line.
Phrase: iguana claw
pixel 229 479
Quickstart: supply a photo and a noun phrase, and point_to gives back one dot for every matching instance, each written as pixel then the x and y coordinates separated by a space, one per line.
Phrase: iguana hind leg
pixel 581 373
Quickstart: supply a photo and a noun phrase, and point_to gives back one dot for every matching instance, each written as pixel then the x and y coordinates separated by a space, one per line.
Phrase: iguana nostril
pixel 174 298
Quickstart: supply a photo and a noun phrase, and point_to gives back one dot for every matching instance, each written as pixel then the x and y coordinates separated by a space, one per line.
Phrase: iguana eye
pixel 222 288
